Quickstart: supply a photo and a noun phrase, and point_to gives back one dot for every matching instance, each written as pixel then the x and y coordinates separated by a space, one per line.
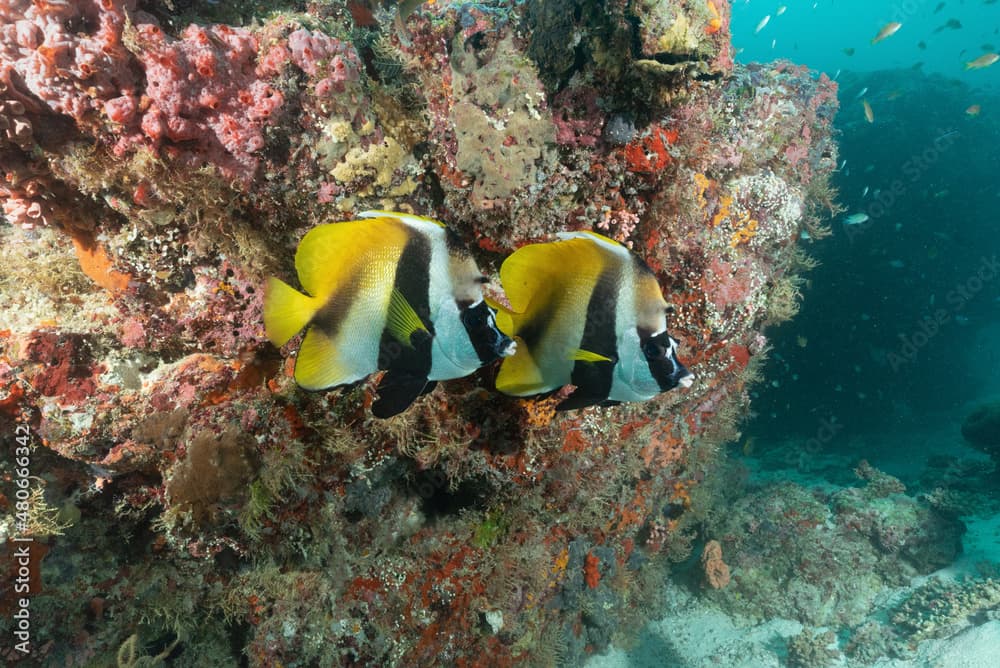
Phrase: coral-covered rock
pixel 157 168
pixel 981 429
pixel 714 568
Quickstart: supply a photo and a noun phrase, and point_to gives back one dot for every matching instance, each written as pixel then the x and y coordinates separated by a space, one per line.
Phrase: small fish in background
pixel 843 164
pixel 856 219
pixel 390 292
pixel 973 110
pixel 922 45
pixel 888 30
pixel 950 24
pixel 586 311
pixel 864 193
pixel 982 61
pixel 849 51
pixel 861 93
pixel 781 10
pixel 897 264
pixel 774 43
pixel 762 24
pixel 939 7
pixel 869 114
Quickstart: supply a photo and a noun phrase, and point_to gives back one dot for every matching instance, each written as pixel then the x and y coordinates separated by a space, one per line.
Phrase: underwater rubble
pixel 188 500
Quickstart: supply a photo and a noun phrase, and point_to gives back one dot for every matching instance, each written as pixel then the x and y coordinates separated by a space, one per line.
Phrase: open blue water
pixel 817 32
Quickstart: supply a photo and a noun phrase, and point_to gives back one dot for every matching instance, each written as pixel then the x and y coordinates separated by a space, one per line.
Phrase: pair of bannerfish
pixel 399 293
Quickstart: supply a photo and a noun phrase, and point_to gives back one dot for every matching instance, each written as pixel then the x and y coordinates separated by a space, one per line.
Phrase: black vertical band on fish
pixel 594 378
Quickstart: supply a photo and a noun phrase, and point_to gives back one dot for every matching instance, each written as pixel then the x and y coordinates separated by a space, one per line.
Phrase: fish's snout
pixel 509 348
pixel 667 370
pixel 490 343
pixel 684 377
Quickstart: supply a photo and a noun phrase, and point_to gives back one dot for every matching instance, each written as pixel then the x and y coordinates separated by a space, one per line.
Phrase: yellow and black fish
pixel 391 291
pixel 586 311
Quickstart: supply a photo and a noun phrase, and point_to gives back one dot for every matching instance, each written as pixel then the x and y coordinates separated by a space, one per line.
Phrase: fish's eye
pixel 653 350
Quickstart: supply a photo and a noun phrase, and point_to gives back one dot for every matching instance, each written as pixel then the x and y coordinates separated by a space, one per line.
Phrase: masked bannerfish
pixel 392 291
pixel 586 311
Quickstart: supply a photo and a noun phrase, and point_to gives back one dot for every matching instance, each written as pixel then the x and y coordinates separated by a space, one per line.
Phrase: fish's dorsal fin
pixel 410 218
pixel 606 242
pixel 329 254
pixel 581 355
pixel 537 270
pixel 401 320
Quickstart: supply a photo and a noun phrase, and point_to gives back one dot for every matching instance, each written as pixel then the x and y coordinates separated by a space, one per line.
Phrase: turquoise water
pixel 816 33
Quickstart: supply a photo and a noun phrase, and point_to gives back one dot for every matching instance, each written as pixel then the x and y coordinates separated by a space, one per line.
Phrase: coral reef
pixel 787 547
pixel 157 166
pixel 981 429
pixel 715 569
pixel 936 608
pixel 812 650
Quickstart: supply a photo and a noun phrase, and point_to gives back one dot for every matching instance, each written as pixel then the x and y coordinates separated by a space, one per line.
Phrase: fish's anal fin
pixel 317 365
pixel 520 375
pixel 581 355
pixel 396 391
pixel 402 322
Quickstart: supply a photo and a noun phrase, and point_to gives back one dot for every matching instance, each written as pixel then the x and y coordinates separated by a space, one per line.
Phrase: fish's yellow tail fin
pixel 286 311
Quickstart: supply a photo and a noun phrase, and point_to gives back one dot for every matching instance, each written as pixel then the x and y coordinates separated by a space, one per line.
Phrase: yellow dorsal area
pixel 328 255
pixel 537 275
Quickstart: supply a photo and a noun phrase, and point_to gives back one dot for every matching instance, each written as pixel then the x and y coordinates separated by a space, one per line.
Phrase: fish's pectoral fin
pixel 318 365
pixel 397 390
pixel 286 311
pixel 402 321
pixel 581 355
